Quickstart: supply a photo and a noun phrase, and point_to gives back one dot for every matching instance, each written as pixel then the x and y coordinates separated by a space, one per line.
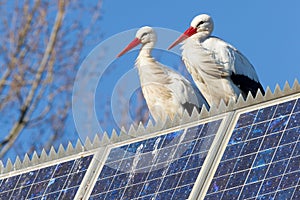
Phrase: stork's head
pixel 144 35
pixel 202 24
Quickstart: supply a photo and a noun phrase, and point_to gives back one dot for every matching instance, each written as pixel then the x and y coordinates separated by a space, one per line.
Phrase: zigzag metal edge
pixel 213 111
pixel 142 130
pixel 151 127
pixel 44 157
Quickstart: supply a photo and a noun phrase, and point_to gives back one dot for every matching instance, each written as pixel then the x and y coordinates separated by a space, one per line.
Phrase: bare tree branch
pixel 39 57
pixel 23 118
pixel 21 38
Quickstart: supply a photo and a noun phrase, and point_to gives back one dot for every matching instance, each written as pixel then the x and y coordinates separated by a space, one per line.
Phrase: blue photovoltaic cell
pixel 60 181
pixel 162 167
pixel 262 158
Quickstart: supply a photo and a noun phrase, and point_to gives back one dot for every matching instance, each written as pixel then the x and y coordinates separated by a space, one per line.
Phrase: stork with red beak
pixel 219 70
pixel 167 93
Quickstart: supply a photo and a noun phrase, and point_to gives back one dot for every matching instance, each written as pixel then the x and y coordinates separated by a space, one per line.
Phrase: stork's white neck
pixel 145 56
pixel 148 68
pixel 200 36
pixel 146 49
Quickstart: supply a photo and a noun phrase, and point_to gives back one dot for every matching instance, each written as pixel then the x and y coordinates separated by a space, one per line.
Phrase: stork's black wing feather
pixel 246 84
pixel 201 101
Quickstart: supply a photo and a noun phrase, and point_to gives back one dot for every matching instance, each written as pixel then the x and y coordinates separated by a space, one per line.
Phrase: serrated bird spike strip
pixel 150 128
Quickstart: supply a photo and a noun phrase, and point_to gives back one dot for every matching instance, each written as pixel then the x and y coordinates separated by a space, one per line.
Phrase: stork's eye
pixel 144 34
pixel 201 22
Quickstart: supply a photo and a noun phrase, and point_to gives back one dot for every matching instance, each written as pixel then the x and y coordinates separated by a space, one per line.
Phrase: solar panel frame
pixel 89 177
pixel 50 188
pixel 226 138
pixel 206 167
pixel 199 189
pixel 149 137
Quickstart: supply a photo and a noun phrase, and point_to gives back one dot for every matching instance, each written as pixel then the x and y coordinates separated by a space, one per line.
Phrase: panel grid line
pixel 256 155
pixel 58 177
pixel 237 162
pixel 41 182
pixel 126 186
pixel 298 183
pixel 114 176
pixel 287 166
pixel 159 163
pixel 187 156
pixel 269 165
pixel 257 182
pixel 171 159
pixel 169 171
pixel 266 136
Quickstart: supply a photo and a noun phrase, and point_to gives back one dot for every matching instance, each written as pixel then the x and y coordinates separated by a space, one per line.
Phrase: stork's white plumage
pixel 219 70
pixel 166 92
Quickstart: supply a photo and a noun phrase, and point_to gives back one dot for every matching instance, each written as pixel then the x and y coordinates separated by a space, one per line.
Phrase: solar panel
pixel 262 157
pixel 56 181
pixel 161 167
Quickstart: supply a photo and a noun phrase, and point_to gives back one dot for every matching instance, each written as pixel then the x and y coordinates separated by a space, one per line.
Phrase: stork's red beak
pixel 188 33
pixel 131 45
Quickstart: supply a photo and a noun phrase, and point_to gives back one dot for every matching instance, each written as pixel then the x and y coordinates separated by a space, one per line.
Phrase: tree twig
pixel 23 118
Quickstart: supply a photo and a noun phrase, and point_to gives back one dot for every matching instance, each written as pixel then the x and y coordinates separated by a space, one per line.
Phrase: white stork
pixel 219 70
pixel 166 92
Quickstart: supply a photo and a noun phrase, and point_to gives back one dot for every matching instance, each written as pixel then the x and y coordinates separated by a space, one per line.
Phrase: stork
pixel 218 69
pixel 167 93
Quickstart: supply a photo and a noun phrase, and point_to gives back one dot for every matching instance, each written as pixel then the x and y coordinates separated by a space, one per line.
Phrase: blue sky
pixel 266 32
